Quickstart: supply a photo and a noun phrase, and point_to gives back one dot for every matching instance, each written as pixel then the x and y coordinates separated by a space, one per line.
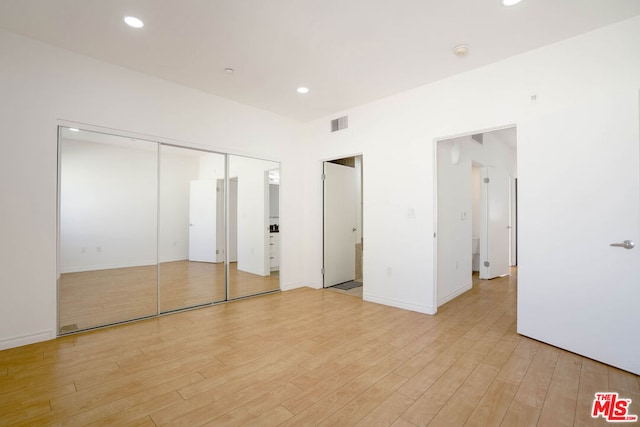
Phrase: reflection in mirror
pixel 191 233
pixel 254 225
pixel 108 227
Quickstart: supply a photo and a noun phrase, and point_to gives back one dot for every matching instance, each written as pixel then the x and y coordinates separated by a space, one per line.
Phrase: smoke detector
pixel 461 50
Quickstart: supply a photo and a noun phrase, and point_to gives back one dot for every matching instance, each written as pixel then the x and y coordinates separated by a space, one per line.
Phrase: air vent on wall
pixel 339 123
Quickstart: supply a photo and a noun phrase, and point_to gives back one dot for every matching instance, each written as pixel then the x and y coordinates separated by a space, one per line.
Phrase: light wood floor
pixel 310 357
pixel 101 297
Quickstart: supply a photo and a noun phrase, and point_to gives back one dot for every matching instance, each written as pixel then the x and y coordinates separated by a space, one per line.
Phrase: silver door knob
pixel 627 244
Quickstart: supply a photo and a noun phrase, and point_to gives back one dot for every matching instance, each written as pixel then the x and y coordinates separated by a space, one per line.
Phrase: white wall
pixel 43 86
pixel 108 205
pixel 178 167
pixel 396 137
pixel 212 167
pixel 454 231
pixel 274 204
pixel 253 213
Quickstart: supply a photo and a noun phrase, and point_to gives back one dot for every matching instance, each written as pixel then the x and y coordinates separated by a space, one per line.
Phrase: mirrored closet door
pixel 191 233
pixel 108 229
pixel 254 226
pixel 147 228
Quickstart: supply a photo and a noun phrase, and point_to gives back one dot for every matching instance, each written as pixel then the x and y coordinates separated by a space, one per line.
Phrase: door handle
pixel 353 229
pixel 627 244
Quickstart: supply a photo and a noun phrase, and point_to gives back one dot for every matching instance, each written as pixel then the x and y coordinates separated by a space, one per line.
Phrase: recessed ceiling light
pixel 74 130
pixel 134 22
pixel 461 50
pixel 303 89
pixel 510 2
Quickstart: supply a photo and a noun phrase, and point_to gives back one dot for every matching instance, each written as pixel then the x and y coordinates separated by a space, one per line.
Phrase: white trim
pixel 26 339
pixel 455 294
pixel 434 291
pixel 166 141
pixel 148 263
pixel 399 304
pixel 296 285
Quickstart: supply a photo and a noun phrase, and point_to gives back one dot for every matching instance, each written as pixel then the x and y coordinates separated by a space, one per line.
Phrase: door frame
pixel 435 196
pixel 321 167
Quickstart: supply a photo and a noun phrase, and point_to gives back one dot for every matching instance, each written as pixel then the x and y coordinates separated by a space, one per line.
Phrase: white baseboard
pixel 26 339
pixel 291 286
pixel 398 304
pixel 107 266
pixel 452 295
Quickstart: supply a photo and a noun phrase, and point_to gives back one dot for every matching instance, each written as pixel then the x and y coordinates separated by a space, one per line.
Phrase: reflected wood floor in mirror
pixel 101 297
pixel 188 283
pixel 310 357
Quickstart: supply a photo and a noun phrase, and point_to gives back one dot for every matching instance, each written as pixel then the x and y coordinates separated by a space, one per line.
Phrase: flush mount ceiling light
pixel 134 22
pixel 510 2
pixel 461 50
pixel 303 89
pixel 229 70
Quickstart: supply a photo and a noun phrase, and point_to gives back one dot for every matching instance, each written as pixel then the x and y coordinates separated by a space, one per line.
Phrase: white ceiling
pixel 348 52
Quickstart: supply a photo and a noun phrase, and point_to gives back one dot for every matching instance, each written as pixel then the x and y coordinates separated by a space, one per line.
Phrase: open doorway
pixel 476 210
pixel 343 240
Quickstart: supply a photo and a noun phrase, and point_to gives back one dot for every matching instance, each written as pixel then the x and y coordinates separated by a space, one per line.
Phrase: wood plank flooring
pixel 310 357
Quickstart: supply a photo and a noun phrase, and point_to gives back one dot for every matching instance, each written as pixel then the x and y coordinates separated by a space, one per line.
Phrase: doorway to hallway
pixel 476 210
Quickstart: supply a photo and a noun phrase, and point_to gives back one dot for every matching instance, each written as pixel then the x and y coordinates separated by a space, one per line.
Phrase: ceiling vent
pixel 339 123
pixel 478 137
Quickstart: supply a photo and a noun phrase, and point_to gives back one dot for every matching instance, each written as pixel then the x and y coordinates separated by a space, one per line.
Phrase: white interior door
pixel 220 237
pixel 579 172
pixel 495 232
pixel 339 224
pixel 202 221
pixel 232 220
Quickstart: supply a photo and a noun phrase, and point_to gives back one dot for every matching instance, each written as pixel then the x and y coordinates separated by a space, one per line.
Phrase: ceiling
pixel 347 52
